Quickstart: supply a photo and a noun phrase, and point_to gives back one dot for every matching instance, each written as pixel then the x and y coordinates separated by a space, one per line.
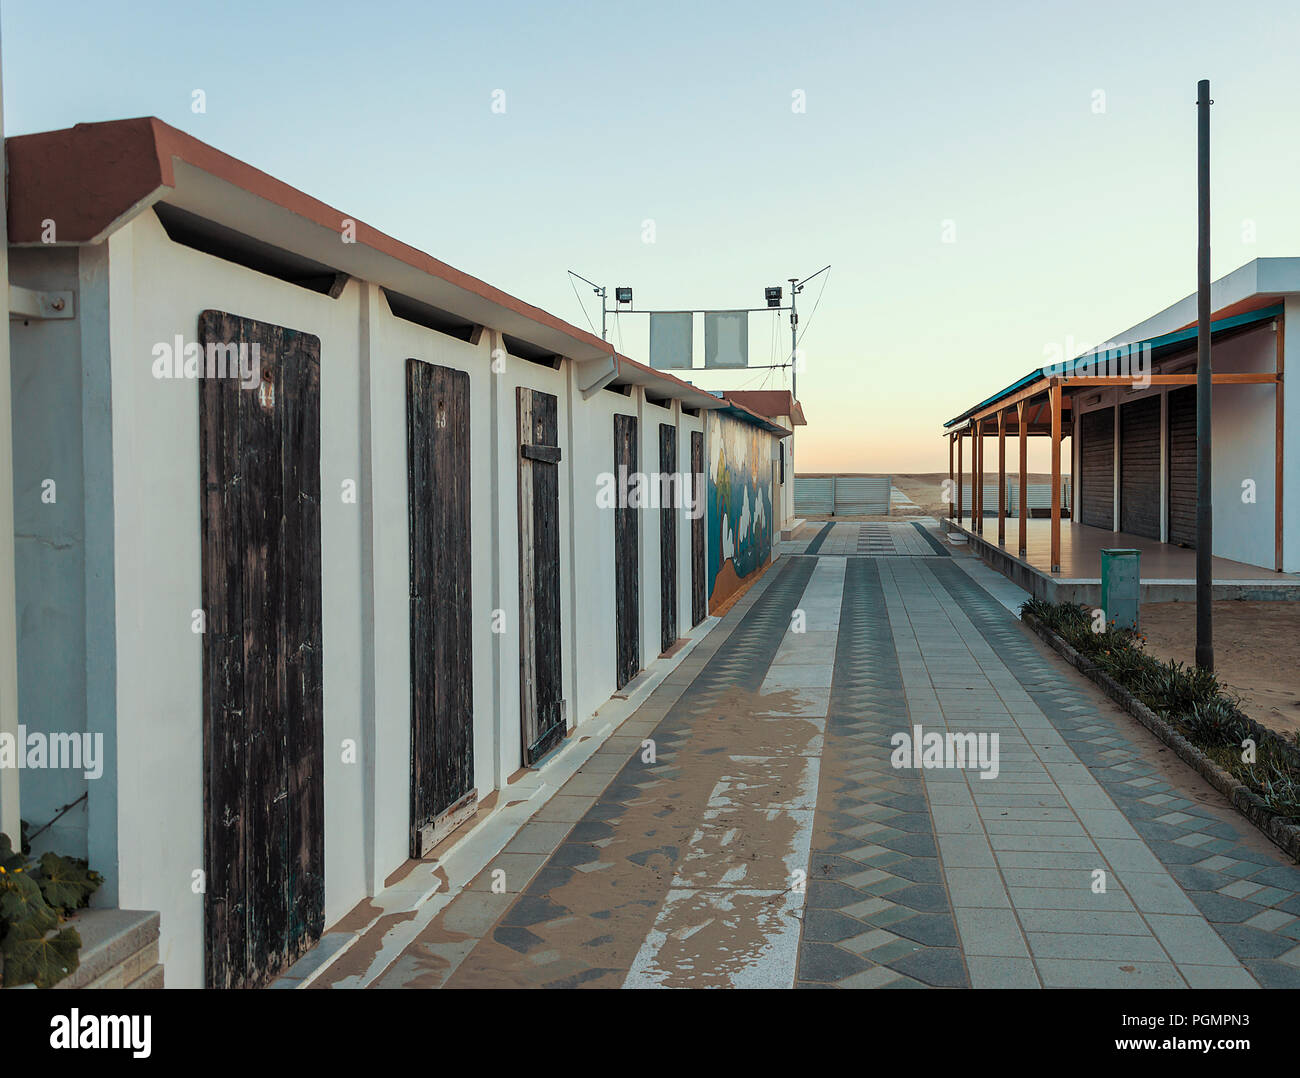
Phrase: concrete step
pixel 151 979
pixel 130 969
pixel 117 947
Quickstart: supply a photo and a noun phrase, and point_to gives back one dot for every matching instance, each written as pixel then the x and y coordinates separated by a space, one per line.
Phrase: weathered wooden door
pixel 627 573
pixel 668 538
pixel 699 601
pixel 540 689
pixel 263 749
pixel 442 662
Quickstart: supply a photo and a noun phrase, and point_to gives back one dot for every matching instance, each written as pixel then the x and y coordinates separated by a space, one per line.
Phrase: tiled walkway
pixel 748 827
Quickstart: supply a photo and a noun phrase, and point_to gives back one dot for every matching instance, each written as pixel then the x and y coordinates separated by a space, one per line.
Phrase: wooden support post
pixel 1054 394
pixel 1002 478
pixel 977 478
pixel 959 497
pixel 1022 497
pixel 952 498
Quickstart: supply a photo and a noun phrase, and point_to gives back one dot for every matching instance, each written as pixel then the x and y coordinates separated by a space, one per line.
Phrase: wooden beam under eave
pixel 1037 389
pixel 1042 388
pixel 1055 392
pixel 1002 478
pixel 1022 500
pixel 1254 378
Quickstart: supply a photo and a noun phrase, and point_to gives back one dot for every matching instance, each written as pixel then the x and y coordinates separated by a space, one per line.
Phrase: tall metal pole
pixel 9 808
pixel 794 340
pixel 1204 514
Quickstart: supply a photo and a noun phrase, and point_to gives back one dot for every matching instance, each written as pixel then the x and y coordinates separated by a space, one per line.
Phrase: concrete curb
pixel 1286 836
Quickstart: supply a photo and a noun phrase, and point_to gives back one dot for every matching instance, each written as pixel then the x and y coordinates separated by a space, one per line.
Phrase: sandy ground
pixel 1256 652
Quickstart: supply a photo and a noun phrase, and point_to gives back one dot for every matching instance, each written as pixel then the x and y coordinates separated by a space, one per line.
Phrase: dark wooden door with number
pixel 263 748
pixel 540 691
pixel 668 540
pixel 442 660
pixel 699 601
pixel 627 574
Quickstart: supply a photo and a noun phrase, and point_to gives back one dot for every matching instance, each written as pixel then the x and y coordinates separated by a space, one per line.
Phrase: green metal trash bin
pixel 1120 581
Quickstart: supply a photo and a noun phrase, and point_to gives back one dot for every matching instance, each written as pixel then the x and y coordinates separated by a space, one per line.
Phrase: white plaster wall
pixel 158 290
pixel 652 415
pixel 686 424
pixel 1244 441
pixel 392 341
pixel 593 615
pixel 1291 443
pixel 49 544
pixel 516 373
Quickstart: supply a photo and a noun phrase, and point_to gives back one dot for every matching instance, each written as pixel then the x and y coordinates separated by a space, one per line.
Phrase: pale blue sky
pixel 1069 223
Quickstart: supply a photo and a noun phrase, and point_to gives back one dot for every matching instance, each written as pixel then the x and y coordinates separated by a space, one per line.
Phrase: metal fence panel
pixel 862 496
pixel 814 495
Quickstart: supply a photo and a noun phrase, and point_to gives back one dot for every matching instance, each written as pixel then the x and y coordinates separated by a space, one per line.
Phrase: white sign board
pixel 726 339
pixel 671 340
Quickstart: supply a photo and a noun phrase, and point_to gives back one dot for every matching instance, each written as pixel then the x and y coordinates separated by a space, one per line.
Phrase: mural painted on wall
pixel 739 502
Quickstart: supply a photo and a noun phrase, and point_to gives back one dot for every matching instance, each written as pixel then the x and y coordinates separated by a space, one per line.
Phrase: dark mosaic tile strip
pixel 1230 883
pixel 819 538
pixel 930 538
pixel 877 914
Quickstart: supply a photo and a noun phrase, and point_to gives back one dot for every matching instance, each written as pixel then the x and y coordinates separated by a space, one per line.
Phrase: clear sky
pixel 1055 141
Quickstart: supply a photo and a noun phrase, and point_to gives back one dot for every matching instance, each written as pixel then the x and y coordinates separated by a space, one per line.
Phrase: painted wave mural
pixel 740 504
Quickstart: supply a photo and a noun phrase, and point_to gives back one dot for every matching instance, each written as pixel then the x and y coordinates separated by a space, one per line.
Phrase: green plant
pixel 35 898
pixel 1280 791
pixel 1189 698
pixel 1215 721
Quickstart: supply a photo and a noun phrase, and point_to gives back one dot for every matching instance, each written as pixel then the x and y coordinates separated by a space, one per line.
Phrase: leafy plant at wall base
pixel 67 882
pixel 35 896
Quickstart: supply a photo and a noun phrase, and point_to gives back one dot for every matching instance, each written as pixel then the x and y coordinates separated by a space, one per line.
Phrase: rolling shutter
pixel 1097 469
pixel 1139 467
pixel 1182 466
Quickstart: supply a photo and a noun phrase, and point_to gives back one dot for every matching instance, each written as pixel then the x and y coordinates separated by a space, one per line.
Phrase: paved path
pixel 746 827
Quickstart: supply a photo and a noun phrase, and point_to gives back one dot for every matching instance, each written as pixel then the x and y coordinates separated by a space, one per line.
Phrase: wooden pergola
pixel 1038 409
